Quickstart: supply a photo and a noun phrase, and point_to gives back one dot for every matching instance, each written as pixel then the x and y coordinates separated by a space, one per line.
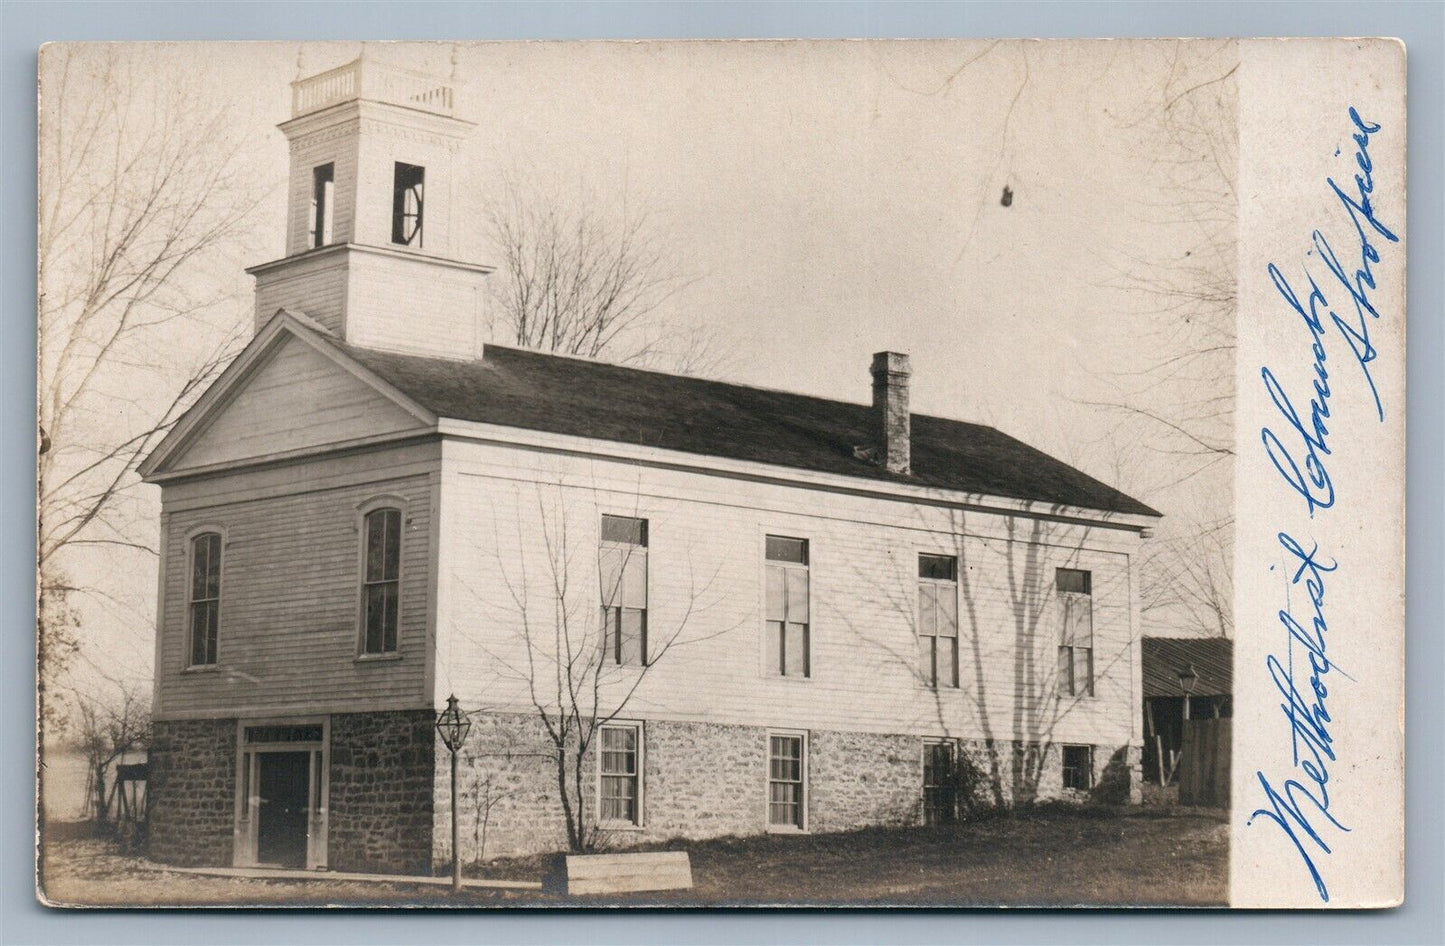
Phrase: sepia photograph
pixel 679 474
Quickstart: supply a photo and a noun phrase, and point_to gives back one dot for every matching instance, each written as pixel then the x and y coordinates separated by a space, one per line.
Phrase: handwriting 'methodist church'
pixel 794 614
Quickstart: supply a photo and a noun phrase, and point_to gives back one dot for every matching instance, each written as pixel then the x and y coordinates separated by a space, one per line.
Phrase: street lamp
pixel 453 725
pixel 1187 679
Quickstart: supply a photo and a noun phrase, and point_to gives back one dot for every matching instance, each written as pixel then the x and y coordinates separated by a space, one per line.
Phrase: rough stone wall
pixel 861 779
pixel 508 786
pixel 704 780
pixel 382 769
pixel 192 792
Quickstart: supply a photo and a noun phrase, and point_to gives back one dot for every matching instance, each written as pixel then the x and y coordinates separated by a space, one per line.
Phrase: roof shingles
pixel 534 391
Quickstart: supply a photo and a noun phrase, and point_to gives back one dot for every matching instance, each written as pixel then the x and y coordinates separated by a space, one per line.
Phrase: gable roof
pixel 555 394
pixel 1212 657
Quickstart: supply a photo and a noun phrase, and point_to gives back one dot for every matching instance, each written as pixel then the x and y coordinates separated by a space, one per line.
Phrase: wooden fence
pixel 1204 763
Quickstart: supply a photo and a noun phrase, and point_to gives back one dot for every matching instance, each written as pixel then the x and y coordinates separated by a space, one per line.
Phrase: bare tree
pixel 1001 760
pixel 140 189
pixel 1177 405
pixel 568 660
pixel 578 280
pixel 107 728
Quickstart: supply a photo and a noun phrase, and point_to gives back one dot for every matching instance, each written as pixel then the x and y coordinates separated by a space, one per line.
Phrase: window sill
pixel 786 829
pixel 376 658
pixel 619 826
pixel 788 678
pixel 203 668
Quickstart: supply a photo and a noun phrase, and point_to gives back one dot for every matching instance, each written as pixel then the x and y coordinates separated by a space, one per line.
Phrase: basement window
pixel 620 785
pixel 787 781
pixel 1079 768
pixel 406 204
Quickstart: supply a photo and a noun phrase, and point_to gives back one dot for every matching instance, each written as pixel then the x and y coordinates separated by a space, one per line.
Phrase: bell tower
pixel 370 213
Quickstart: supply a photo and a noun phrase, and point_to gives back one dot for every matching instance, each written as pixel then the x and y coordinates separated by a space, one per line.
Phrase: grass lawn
pixel 1097 857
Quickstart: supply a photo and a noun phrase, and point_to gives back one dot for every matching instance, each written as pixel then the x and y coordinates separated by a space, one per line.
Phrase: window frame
pixel 918 634
pixel 364 509
pixel 191 535
pixel 955 748
pixel 398 205
pixel 1064 767
pixel 640 777
pixel 321 222
pixel 610 653
pixel 764 651
pixel 1072 690
pixel 803 737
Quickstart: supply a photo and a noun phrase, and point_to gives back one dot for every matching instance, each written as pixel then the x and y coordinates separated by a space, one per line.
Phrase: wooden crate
pixel 624 873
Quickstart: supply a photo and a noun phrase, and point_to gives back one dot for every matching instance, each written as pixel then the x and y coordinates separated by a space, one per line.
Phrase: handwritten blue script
pixel 1298 445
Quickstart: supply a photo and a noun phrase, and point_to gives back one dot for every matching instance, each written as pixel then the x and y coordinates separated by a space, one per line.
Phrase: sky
pixel 825 200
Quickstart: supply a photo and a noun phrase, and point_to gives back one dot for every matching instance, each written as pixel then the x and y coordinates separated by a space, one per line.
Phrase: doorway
pixel 281 817
pixel 283 799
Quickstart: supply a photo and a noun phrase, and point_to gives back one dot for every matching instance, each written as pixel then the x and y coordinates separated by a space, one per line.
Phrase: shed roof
pixel 535 391
pixel 1165 657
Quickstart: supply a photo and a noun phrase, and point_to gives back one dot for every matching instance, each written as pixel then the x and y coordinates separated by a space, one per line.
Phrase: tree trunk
pixel 574 840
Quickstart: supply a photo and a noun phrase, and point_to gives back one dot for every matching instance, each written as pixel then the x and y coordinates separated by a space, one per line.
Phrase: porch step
pixel 282 873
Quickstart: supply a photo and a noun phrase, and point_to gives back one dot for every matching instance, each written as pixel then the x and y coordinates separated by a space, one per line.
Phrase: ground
pixel 1100 857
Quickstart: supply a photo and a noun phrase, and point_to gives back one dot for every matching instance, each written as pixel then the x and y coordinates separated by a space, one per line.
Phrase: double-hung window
pixel 939 791
pixel 381 581
pixel 787 606
pixel 622 566
pixel 938 619
pixel 205 598
pixel 1078 768
pixel 620 789
pixel 787 774
pixel 1076 631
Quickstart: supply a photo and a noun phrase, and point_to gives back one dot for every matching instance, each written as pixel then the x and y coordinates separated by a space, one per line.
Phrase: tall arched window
pixel 205 598
pixel 381 581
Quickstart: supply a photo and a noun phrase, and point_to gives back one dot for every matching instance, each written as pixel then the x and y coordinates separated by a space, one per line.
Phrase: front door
pixel 283 790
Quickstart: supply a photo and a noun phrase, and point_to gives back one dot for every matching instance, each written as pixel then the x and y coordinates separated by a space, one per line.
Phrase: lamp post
pixel 1187 679
pixel 453 725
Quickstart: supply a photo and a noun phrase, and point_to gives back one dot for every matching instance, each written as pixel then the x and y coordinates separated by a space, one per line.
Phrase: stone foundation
pixel 704 780
pixel 389 797
pixel 192 792
pixel 382 766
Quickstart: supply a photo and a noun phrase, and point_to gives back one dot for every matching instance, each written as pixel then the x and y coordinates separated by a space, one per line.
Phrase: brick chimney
pixel 890 408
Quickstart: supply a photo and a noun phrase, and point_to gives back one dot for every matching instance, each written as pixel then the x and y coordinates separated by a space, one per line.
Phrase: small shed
pixel 1203 665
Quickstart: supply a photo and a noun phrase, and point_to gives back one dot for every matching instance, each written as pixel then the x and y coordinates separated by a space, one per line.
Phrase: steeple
pixel 370 217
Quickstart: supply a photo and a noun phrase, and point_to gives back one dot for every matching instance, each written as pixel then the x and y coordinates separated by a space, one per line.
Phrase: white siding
pixel 298 398
pixel 290 591
pixel 315 286
pixel 410 304
pixel 706 575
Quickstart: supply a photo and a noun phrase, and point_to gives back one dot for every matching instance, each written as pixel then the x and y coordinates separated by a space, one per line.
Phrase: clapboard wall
pixel 506 511
pixel 290 588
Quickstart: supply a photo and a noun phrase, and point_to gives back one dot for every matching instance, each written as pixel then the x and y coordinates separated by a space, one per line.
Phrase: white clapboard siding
pixel 299 398
pixel 706 577
pixel 410 304
pixel 308 153
pixel 315 286
pixel 290 603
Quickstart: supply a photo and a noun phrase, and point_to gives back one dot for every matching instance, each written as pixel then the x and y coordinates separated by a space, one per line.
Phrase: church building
pixel 762 611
